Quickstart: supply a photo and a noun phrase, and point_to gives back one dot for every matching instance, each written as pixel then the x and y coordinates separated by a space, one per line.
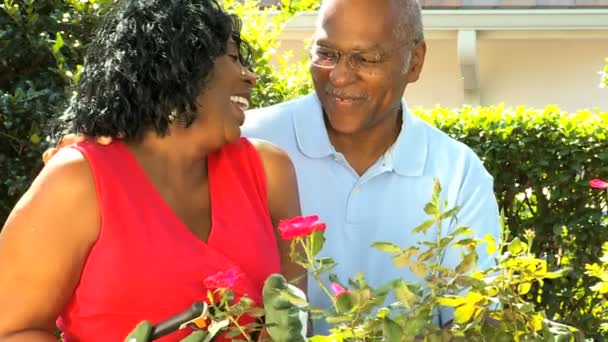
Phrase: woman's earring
pixel 172 116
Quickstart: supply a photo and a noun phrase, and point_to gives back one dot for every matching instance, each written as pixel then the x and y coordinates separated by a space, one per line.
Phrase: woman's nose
pixel 249 77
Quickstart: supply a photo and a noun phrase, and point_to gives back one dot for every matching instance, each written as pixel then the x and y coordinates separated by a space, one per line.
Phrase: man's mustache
pixel 343 94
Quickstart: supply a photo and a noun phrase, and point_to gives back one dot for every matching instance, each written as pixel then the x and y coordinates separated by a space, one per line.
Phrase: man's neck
pixel 363 149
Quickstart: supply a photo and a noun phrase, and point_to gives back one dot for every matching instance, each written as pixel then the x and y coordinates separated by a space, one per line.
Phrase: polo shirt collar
pixel 406 157
pixel 309 126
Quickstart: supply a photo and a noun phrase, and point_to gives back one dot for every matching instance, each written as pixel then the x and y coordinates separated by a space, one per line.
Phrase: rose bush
pixel 488 304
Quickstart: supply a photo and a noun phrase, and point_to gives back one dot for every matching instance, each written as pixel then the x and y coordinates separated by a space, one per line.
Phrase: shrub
pixel 542 161
pixel 42 46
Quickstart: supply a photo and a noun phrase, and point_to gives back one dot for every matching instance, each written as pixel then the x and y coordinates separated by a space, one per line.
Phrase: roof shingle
pixel 502 4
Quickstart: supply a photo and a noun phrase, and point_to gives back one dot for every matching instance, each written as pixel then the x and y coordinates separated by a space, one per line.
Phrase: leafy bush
pixel 262 28
pixel 42 46
pixel 604 76
pixel 488 305
pixel 542 162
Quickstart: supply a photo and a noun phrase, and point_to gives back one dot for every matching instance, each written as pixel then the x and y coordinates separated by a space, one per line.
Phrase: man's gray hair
pixel 409 27
pixel 409 23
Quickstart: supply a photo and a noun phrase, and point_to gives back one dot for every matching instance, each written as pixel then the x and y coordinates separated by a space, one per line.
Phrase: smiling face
pixel 358 99
pixel 222 103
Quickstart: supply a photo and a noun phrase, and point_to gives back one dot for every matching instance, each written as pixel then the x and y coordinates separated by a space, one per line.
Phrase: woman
pixel 108 236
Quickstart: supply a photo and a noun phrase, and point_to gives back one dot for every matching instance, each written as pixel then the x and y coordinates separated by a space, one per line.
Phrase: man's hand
pixel 70 139
pixel 282 316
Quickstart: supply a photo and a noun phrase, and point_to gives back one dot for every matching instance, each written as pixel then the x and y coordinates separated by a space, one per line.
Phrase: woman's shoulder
pixel 68 165
pixel 62 199
pixel 268 151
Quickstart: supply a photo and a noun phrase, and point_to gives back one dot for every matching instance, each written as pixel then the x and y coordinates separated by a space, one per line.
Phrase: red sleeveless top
pixel 146 264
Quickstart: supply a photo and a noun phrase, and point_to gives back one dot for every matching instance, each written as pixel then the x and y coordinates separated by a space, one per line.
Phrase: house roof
pixel 512 4
pixel 499 4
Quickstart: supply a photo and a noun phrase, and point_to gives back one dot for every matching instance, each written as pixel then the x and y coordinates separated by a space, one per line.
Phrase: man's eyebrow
pixel 376 47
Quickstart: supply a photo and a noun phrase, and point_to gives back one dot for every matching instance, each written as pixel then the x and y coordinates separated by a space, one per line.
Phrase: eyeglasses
pixel 368 62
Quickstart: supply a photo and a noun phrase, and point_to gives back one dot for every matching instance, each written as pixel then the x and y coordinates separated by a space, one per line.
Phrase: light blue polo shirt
pixel 387 201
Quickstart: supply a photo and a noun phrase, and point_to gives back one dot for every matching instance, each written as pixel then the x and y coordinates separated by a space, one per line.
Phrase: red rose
pixel 223 279
pixel 300 226
pixel 598 184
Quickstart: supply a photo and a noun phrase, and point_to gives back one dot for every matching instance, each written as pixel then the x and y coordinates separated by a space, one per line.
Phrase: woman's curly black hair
pixel 149 59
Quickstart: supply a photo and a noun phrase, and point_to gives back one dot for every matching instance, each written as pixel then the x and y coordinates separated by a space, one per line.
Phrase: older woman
pixel 108 236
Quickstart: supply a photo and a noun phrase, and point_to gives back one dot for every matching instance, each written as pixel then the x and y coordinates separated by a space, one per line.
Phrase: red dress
pixel 146 264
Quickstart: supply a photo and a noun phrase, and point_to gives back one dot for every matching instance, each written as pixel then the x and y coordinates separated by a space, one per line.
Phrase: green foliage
pixel 542 162
pixel 604 76
pixel 599 271
pixel 42 47
pixel 280 77
pixel 488 305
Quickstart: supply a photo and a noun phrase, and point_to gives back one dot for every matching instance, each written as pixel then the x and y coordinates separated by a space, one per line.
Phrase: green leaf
pixel 463 230
pixel 450 213
pixel 468 263
pixel 404 294
pixel 464 313
pixel 464 242
pixel 419 268
pixel 35 139
pixel 516 246
pixel 436 188
pixel 391 330
pixel 344 302
pixel 403 259
pixel 58 43
pixel 491 246
pixel 413 326
pixel 387 247
pixel 431 209
pixel 556 274
pixel 451 301
pixel 317 240
pixel 325 264
pixel 424 227
pixel 426 255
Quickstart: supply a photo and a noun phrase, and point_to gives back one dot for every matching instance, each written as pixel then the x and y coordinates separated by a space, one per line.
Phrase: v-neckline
pixel 146 182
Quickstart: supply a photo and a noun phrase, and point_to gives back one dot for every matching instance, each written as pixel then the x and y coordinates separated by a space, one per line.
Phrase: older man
pixel 364 163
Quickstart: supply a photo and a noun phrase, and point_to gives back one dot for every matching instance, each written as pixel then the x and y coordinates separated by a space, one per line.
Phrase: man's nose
pixel 342 73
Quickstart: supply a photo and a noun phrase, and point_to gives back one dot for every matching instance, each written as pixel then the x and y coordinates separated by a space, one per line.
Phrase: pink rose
pixel 338 289
pixel 598 184
pixel 223 279
pixel 300 226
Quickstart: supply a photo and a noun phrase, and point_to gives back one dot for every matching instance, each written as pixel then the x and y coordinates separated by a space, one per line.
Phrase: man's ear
pixel 416 62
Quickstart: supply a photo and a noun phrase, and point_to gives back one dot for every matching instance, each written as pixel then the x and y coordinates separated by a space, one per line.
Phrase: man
pixel 364 163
